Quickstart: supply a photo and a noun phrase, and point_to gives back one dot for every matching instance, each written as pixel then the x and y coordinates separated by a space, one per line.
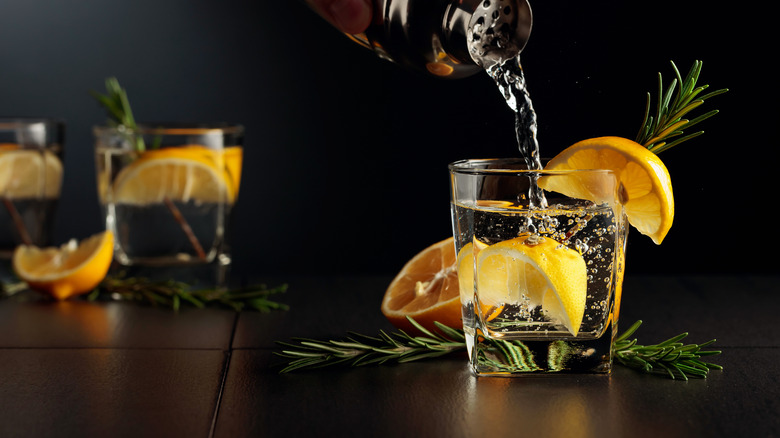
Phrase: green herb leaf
pixel 669 358
pixel 176 294
pixel 666 129
pixel 117 105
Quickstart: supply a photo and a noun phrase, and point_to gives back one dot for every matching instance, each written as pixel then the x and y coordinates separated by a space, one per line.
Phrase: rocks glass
pixel 30 180
pixel 540 272
pixel 166 191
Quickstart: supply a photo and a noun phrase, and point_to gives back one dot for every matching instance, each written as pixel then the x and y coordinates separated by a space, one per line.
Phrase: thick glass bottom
pixel 513 357
pixel 211 275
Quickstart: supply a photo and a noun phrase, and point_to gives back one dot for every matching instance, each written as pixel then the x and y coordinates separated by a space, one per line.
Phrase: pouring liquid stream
pixel 495 39
pixel 510 80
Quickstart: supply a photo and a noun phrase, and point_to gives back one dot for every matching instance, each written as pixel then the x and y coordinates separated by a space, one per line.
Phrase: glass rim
pixel 469 167
pixel 175 128
pixel 8 123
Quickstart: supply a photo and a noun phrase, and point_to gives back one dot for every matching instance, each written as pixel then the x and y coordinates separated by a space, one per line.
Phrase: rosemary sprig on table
pixel 670 357
pixel 659 130
pixel 360 349
pixel 175 294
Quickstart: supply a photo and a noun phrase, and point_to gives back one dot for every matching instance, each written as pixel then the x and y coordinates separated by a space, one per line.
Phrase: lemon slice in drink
pixel 29 173
pixel 151 179
pixel 72 269
pixel 531 271
pixel 645 186
pixel 466 280
pixel 230 158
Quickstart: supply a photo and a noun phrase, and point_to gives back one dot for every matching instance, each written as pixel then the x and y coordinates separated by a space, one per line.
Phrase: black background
pixel 345 166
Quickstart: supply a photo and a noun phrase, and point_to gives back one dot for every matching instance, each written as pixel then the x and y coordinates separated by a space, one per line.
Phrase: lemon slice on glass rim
pixel 645 187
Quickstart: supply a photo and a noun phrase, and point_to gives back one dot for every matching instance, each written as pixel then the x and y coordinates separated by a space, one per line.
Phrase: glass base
pixel 198 276
pixel 513 357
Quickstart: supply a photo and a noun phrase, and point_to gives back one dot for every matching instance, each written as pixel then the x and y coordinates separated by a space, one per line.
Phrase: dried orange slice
pixel 70 270
pixel 425 289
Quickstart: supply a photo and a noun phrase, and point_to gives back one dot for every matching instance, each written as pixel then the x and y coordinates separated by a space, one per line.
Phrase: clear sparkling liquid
pixel 522 338
pixel 591 230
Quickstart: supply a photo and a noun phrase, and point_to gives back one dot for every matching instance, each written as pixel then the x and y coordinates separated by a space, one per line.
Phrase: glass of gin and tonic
pixel 30 182
pixel 166 191
pixel 540 272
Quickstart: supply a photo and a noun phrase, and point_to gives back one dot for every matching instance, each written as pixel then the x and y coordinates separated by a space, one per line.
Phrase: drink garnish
pixel 644 185
pixel 668 358
pixel 117 105
pixel 530 271
pixel 664 129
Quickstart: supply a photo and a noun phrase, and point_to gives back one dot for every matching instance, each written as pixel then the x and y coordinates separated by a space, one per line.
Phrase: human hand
pixel 349 16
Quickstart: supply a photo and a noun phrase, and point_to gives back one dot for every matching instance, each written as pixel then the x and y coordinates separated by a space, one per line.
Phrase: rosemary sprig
pixel 359 349
pixel 676 360
pixel 117 105
pixel 175 294
pixel 670 357
pixel 664 130
pixel 11 288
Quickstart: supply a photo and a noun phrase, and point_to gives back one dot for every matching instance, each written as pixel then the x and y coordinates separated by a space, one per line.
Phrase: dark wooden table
pixel 81 369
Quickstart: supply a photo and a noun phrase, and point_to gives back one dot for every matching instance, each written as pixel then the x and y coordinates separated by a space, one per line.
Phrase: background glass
pixel 31 172
pixel 166 191
pixel 540 287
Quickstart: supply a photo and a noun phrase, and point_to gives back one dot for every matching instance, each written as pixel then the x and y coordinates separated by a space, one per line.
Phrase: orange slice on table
pixel 645 189
pixel 70 270
pixel 426 289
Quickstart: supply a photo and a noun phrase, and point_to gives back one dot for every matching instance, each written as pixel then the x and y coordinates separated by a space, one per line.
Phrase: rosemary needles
pixel 670 358
pixel 359 349
pixel 664 129
pixel 175 294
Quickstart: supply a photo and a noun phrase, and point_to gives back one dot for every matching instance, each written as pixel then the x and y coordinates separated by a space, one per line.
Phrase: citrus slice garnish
pixel 153 178
pixel 645 189
pixel 534 271
pixel 230 158
pixel 72 269
pixel 29 173
pixel 425 289
pixel 466 279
